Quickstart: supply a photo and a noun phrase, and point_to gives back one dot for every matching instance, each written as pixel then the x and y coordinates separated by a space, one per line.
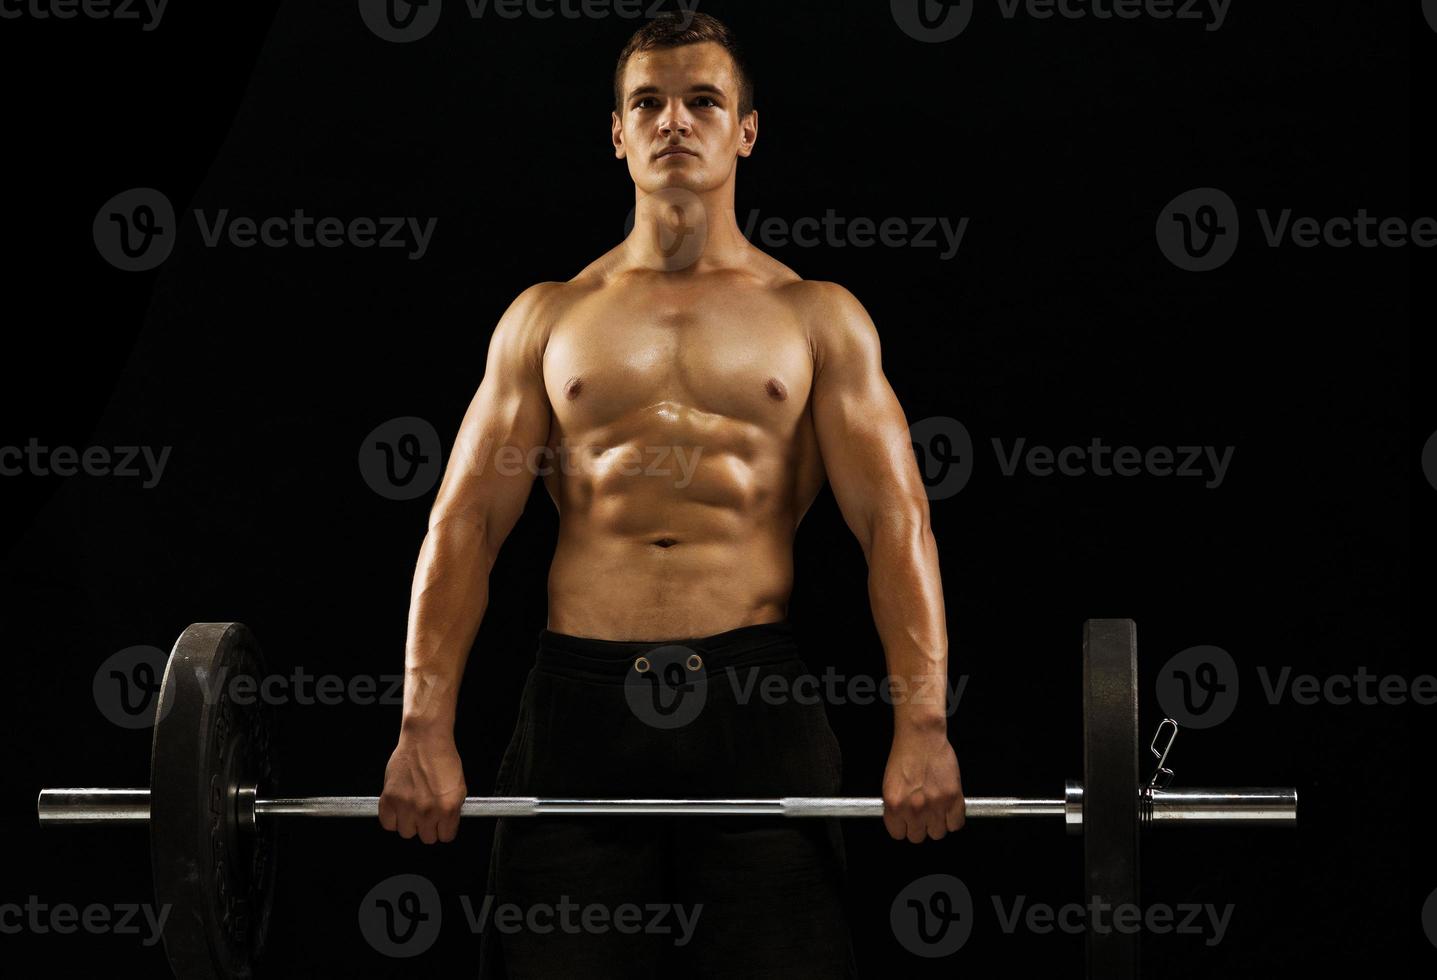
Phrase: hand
pixel 423 787
pixel 922 789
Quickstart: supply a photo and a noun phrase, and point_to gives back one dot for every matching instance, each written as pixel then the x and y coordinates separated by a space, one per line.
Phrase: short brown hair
pixel 670 30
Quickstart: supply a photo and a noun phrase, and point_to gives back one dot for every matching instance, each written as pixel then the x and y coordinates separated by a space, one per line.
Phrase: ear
pixel 748 133
pixel 617 134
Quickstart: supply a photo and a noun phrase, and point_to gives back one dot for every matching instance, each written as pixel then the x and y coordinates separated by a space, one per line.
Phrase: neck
pixel 683 231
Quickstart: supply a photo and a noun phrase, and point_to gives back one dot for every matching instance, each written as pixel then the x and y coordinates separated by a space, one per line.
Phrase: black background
pixel 1058 321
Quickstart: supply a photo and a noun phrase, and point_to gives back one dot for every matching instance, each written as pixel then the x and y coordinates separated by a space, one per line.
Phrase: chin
pixel 691 181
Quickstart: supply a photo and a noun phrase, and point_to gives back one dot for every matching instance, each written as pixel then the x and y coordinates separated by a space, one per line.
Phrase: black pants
pixel 649 896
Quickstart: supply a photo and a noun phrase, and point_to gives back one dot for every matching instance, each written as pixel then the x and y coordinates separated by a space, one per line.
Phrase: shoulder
pixel 838 325
pixel 522 334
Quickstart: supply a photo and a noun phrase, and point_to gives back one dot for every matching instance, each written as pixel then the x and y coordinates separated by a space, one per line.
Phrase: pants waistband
pixel 745 645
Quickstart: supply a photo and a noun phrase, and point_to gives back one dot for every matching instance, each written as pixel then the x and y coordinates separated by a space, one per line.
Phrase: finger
pixel 893 817
pixel 934 821
pixel 407 823
pixel 386 813
pixel 448 830
pixel 957 813
pixel 449 824
pixel 428 824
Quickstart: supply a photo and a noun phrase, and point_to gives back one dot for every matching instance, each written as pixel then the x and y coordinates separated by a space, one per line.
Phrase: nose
pixel 675 120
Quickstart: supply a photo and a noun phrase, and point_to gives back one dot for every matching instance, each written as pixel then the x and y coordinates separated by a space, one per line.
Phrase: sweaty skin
pixel 683 398
pixel 683 405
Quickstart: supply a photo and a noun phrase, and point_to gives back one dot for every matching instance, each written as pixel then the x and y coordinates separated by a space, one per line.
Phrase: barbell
pixel 212 832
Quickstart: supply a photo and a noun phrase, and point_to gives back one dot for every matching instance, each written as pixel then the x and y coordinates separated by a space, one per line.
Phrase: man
pixel 687 395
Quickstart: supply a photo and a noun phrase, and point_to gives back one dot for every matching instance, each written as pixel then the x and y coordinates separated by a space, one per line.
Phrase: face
pixel 680 125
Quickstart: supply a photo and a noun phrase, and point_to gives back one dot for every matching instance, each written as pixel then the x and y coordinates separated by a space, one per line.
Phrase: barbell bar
pixel 1237 805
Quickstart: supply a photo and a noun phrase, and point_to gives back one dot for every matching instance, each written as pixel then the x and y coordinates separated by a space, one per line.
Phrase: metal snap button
pixel 695 661
pixel 642 665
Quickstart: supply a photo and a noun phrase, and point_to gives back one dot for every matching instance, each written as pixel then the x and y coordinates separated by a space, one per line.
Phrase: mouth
pixel 676 153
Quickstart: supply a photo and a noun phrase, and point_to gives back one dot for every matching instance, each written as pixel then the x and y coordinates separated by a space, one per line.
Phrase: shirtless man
pixel 685 396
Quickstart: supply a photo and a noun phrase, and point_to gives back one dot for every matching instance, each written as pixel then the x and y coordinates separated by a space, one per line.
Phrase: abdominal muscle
pixel 662 538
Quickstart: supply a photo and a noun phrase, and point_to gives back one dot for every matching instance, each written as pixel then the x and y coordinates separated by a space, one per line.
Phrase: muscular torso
pixel 682 447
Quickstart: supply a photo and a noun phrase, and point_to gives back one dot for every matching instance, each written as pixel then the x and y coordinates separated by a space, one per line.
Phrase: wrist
pixel 920 702
pixel 430 702
pixel 426 726
pixel 920 724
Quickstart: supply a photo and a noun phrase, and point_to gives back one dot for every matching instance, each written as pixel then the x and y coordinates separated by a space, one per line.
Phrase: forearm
pixel 906 594
pixel 446 604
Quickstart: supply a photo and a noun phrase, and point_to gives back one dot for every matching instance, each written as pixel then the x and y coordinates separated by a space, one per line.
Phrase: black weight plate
pixel 1111 822
pixel 213 735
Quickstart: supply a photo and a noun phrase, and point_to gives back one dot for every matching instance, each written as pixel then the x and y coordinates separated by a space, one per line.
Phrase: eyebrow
pixel 704 88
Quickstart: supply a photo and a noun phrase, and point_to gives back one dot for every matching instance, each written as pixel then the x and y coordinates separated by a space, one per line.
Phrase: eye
pixel 705 98
pixel 648 102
